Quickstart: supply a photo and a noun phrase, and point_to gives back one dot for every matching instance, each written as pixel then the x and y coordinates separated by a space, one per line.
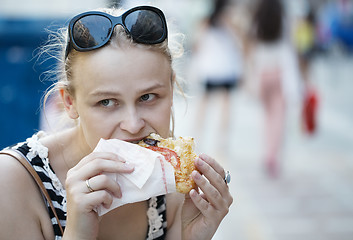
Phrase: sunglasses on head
pixel 92 30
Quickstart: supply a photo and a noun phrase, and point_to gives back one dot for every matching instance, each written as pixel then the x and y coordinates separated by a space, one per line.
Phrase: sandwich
pixel 179 152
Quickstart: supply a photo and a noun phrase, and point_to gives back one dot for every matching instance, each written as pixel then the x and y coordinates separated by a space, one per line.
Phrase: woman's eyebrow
pixel 104 93
pixel 153 87
pixel 107 92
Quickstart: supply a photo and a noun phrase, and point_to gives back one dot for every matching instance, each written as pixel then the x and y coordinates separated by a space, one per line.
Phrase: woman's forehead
pixel 113 66
pixel 119 58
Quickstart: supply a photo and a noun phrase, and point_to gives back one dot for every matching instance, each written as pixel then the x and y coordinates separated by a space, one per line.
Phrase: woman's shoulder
pixel 15 182
pixel 10 167
pixel 21 201
pixel 14 177
pixel 18 179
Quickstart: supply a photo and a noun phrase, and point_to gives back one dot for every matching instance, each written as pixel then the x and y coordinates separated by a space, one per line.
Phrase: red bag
pixel 309 113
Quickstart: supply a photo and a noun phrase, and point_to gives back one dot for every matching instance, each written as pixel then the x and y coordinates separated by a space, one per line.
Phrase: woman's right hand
pixel 82 221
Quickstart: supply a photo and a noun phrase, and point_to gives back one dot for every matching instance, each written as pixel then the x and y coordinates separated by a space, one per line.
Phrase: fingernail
pixel 119 158
pixel 199 162
pixel 118 194
pixel 193 193
pixel 196 175
pixel 129 166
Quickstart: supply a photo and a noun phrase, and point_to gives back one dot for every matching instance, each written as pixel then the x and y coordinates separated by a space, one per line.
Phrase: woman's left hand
pixel 203 212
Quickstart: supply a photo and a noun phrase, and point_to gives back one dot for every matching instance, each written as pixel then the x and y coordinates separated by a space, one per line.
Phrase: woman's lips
pixel 135 140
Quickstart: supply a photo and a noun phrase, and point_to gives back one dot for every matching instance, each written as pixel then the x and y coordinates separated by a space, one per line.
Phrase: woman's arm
pixel 174 207
pixel 23 211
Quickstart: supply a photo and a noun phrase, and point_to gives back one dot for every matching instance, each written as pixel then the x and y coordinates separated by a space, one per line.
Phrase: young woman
pixel 117 82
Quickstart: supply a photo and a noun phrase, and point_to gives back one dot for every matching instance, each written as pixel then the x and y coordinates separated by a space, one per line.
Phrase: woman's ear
pixel 69 103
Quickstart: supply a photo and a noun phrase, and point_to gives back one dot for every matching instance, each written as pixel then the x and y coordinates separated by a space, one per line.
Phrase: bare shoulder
pixel 21 202
pixel 13 176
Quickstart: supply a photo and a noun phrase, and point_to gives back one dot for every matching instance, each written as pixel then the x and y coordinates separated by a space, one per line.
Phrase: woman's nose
pixel 132 122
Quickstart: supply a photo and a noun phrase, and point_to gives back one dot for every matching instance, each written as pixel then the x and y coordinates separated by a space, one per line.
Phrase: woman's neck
pixel 68 146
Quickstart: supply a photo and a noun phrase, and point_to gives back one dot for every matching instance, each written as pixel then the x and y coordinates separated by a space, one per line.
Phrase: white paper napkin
pixel 153 175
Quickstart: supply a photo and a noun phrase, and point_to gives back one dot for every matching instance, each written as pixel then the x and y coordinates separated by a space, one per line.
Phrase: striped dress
pixel 37 156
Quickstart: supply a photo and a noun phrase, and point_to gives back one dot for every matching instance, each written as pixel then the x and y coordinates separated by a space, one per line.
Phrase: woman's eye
pixel 147 97
pixel 107 102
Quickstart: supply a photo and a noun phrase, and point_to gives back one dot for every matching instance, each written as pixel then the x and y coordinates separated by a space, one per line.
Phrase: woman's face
pixel 122 93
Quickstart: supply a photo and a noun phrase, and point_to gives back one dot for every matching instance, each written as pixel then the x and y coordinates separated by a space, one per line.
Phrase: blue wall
pixel 20 86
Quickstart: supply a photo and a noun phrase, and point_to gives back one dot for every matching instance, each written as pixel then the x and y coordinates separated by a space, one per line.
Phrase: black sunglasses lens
pixel 91 31
pixel 145 26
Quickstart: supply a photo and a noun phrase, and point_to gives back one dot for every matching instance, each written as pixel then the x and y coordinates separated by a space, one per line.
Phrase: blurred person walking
pixel 305 44
pixel 304 39
pixel 274 73
pixel 217 63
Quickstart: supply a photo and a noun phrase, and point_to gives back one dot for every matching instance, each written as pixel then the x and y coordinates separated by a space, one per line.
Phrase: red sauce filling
pixel 168 155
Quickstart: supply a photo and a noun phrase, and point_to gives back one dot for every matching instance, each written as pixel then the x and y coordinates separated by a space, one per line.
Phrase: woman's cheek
pixel 96 127
pixel 162 123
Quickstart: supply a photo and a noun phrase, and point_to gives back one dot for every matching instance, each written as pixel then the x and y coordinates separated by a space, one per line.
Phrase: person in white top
pixel 218 61
pixel 274 72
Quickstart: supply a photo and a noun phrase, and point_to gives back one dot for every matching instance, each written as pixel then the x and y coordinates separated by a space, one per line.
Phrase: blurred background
pixel 275 108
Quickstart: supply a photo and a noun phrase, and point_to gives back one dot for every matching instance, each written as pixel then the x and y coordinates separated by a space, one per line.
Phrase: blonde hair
pixel 61 75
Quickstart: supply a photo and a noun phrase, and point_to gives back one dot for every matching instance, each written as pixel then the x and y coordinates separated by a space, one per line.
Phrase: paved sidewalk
pixel 313 198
